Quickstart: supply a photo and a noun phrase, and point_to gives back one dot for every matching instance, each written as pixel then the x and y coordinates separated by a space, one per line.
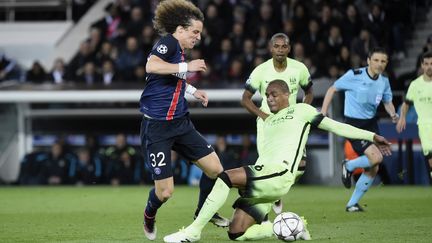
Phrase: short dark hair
pixel 171 13
pixel 279 36
pixel 282 85
pixel 425 55
pixel 377 49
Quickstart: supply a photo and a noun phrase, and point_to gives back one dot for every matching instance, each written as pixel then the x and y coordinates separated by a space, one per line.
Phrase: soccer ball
pixel 287 226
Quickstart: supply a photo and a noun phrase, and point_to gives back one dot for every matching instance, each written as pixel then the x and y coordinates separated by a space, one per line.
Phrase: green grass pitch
pixel 114 214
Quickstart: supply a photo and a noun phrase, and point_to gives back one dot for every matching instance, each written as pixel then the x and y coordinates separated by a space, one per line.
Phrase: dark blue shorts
pixel 371 125
pixel 158 138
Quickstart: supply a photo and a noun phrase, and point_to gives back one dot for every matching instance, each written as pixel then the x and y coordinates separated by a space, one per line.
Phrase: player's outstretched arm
pixel 327 100
pixel 348 131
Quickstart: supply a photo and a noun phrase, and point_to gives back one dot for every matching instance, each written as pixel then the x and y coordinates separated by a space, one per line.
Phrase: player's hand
pixel 202 96
pixel 197 65
pixel 401 125
pixel 382 144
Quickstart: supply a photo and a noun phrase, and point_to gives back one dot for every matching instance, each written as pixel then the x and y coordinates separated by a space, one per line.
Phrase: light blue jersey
pixel 362 93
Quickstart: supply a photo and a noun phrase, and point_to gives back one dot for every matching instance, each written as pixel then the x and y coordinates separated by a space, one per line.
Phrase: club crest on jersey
pixel 157 171
pixel 162 49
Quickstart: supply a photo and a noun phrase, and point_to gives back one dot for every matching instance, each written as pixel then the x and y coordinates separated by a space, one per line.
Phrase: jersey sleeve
pixel 387 95
pixel 253 82
pixel 305 78
pixel 165 48
pixel 345 130
pixel 343 83
pixel 309 114
pixel 409 97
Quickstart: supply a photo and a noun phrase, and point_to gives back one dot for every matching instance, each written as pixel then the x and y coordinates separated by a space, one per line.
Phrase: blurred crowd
pixel 120 164
pixel 328 36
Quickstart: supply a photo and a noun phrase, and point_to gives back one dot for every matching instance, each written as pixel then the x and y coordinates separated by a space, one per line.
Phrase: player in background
pixel 270 178
pixel 420 95
pixel 280 66
pixel 364 89
pixel 166 124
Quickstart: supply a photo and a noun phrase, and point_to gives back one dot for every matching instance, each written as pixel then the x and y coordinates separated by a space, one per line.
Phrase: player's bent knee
pixel 372 171
pixel 166 194
pixel 377 159
pixel 234 236
pixel 214 174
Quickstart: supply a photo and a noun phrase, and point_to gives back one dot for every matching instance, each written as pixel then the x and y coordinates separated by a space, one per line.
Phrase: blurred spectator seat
pixel 11 7
pixel 27 41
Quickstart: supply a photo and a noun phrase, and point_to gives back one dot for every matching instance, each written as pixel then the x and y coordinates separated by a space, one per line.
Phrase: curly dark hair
pixel 171 13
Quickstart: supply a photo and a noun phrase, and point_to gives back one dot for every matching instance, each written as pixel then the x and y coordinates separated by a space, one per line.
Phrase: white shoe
pixel 151 235
pixel 304 235
pixel 181 236
pixel 277 206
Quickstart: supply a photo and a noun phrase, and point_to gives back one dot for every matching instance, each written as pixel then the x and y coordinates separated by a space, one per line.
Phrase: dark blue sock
pixel 153 204
pixel 206 185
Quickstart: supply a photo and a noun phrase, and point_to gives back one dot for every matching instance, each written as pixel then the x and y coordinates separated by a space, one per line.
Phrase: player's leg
pixel 158 157
pixel 366 179
pixel 278 205
pixel 209 165
pixel 268 182
pixel 157 196
pixel 369 157
pixel 217 197
pixel 192 146
pixel 245 227
pixel 425 134
pixel 163 190
pixel 213 203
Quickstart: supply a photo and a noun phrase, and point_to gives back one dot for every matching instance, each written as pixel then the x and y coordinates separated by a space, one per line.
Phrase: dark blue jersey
pixel 163 95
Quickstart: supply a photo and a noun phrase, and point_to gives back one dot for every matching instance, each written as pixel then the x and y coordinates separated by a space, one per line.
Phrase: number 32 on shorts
pixel 157 159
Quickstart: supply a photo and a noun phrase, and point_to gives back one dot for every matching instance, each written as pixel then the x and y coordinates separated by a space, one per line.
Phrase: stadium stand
pixel 107 44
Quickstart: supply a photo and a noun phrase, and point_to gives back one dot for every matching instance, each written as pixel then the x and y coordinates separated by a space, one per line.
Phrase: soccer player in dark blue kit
pixel 166 124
